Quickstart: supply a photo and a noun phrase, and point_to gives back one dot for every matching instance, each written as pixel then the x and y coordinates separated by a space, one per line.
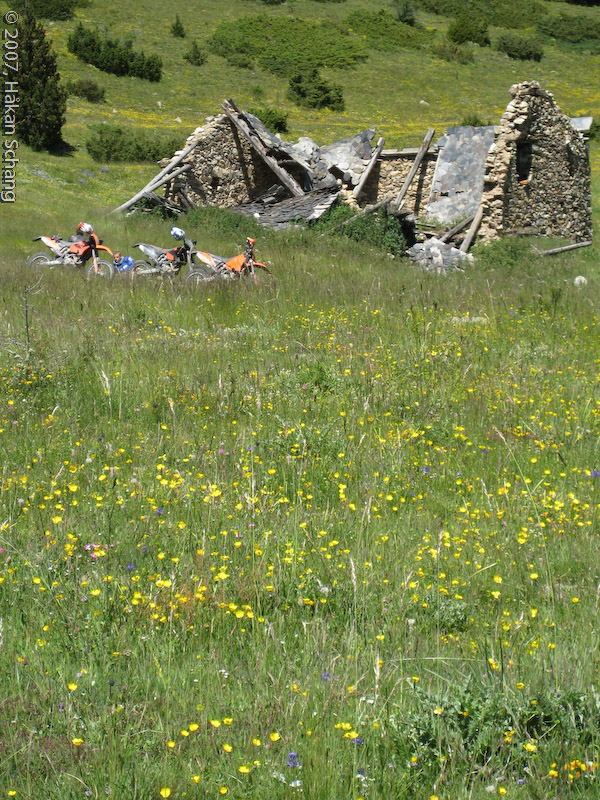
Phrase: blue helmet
pixel 178 233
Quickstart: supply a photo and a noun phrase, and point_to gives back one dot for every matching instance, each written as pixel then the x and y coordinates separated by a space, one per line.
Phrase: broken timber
pixel 466 243
pixel 157 180
pixel 233 113
pixel 367 171
pixel 413 170
pixel 564 249
pixel 456 229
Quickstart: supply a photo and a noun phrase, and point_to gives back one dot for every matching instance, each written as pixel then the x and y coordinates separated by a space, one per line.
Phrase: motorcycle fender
pixel 49 242
pixel 105 248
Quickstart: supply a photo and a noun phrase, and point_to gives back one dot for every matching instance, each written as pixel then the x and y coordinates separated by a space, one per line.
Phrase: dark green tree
pixel 43 101
pixel 177 28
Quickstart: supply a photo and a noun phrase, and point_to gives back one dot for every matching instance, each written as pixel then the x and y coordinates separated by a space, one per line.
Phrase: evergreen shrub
pixel 275 120
pixel 117 143
pixel 87 89
pixel 195 55
pixel 285 46
pixel 383 32
pixel 450 51
pixel 310 89
pixel 571 28
pixel 48 9
pixel 519 47
pixel 177 28
pixel 500 13
pixel 469 27
pixel 112 55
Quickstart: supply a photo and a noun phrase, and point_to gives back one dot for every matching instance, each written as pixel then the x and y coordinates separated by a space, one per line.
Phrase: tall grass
pixel 332 537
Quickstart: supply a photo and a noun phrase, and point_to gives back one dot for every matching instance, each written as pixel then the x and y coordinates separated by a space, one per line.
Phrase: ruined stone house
pixel 530 174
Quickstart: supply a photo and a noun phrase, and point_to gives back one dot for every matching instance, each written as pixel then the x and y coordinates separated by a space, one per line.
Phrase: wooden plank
pixel 242 126
pixel 466 243
pixel 367 170
pixel 563 249
pixel 456 229
pixel 416 164
pixel 157 178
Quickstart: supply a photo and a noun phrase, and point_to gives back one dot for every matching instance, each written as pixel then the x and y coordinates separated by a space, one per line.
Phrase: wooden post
pixel 367 170
pixel 453 231
pixel 155 180
pixel 472 230
pixel 563 249
pixel 416 163
pixel 242 126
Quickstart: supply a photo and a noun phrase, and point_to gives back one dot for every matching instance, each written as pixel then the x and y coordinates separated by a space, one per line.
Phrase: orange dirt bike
pixel 74 254
pixel 214 267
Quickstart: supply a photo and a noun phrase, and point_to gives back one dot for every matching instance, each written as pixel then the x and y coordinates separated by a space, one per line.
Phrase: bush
pixel 112 55
pixel 575 29
pixel 177 28
pixel 519 47
pixel 116 143
pixel 48 9
pixel 473 120
pixel 285 46
pixel 309 89
pixel 378 229
pixel 195 55
pixel 383 32
pixel 469 28
pixel 87 89
pixel 500 13
pixel 584 2
pixel 405 11
pixel 275 120
pixel 450 51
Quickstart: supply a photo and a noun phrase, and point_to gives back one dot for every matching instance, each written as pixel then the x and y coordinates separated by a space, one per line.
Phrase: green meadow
pixel 333 536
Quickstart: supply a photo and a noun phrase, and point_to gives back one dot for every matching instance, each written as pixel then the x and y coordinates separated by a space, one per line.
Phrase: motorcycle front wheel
pixel 105 270
pixel 262 276
pixel 40 260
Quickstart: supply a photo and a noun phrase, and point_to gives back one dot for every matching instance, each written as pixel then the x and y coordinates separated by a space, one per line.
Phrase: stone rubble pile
pixel 437 256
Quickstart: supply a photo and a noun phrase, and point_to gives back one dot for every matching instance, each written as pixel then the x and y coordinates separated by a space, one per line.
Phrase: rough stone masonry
pixel 537 174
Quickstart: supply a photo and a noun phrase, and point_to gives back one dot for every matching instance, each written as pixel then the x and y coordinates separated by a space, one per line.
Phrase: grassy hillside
pixel 335 536
pixel 401 93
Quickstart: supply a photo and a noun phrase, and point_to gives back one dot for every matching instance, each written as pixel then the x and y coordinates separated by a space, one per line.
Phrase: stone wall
pixel 389 174
pixel 225 171
pixel 537 178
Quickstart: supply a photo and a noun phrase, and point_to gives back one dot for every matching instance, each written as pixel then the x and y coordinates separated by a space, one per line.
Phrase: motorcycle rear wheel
pixel 199 276
pixel 105 270
pixel 139 269
pixel 40 260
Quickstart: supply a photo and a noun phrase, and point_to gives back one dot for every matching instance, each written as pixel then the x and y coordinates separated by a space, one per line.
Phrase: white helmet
pixel 84 227
pixel 178 233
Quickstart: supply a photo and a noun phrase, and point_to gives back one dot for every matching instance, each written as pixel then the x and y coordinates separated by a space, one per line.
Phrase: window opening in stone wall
pixel 524 160
pixel 571 160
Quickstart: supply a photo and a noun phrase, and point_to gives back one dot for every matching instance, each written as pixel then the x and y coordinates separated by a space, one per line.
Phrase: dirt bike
pixel 213 267
pixel 74 254
pixel 163 262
